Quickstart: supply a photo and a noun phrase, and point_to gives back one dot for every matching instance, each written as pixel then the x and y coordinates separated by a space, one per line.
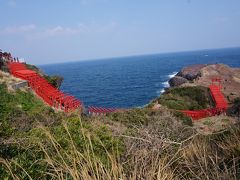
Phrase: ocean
pixel 127 82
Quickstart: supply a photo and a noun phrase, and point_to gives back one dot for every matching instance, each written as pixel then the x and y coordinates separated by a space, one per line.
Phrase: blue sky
pixel 49 31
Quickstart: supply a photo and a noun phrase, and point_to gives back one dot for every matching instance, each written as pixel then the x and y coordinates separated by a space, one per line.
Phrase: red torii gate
pixel 100 110
pixel 46 91
pixel 221 104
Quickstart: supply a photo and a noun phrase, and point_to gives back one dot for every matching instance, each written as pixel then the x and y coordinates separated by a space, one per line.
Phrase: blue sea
pixel 127 82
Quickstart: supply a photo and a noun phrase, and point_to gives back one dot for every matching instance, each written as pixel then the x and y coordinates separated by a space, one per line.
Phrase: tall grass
pixel 212 157
pixel 200 157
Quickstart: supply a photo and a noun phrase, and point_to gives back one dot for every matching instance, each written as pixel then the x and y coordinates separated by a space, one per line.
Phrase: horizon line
pixel 136 55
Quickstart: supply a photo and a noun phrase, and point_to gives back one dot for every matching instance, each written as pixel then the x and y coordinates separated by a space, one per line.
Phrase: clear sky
pixel 49 31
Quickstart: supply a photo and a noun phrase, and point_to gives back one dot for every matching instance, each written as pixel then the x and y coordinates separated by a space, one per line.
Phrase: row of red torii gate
pixel 59 100
pixel 50 95
pixel 220 101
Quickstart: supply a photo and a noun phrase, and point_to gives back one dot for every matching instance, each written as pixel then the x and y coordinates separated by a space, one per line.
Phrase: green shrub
pixel 185 119
pixel 131 117
pixel 208 123
pixel 21 110
pixel 54 80
pixel 182 98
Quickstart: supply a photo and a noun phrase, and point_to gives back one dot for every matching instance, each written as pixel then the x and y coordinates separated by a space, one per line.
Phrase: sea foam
pixel 166 84
pixel 172 74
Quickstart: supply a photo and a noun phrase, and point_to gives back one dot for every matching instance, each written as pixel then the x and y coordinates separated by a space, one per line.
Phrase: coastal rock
pixel 230 79
pixel 203 75
pixel 177 81
pixel 191 72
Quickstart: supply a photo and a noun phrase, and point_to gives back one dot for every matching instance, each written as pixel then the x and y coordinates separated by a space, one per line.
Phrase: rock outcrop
pixel 230 79
pixel 177 81
pixel 191 72
pixel 201 75
pixel 187 74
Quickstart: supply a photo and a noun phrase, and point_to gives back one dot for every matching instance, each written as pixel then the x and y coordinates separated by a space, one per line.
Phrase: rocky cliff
pixel 201 75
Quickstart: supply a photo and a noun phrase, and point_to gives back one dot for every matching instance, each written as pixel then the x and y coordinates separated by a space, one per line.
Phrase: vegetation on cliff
pixel 186 98
pixel 55 80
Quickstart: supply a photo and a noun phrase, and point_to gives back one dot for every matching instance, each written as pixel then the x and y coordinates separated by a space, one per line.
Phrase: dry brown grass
pixel 195 157
pixel 205 158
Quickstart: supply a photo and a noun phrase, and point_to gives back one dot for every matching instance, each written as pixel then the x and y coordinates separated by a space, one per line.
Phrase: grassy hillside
pixel 186 98
pixel 38 143
pixel 20 109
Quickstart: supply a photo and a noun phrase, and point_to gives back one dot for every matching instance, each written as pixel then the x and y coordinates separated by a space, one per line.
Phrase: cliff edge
pixel 201 75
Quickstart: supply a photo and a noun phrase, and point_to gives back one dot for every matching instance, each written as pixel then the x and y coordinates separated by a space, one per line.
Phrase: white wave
pixel 172 74
pixel 159 92
pixel 165 84
pixel 162 91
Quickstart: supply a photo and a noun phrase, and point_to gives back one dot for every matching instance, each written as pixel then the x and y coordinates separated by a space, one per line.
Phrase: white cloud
pixel 60 30
pixel 19 29
pixel 56 31
pixel 33 32
pixel 69 31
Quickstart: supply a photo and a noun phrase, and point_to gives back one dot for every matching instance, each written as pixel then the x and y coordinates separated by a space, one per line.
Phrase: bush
pixel 185 119
pixel 131 117
pixel 234 110
pixel 186 98
pixel 20 111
